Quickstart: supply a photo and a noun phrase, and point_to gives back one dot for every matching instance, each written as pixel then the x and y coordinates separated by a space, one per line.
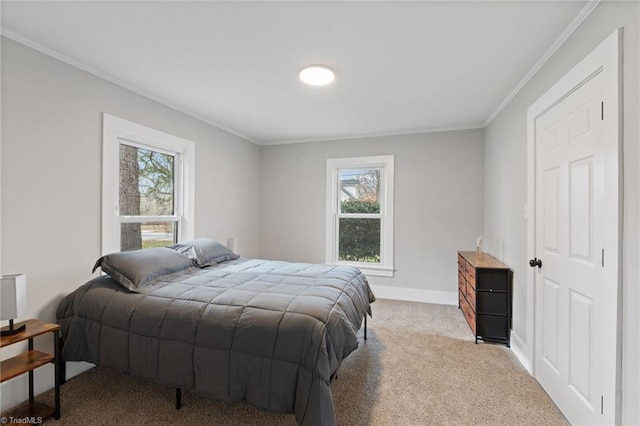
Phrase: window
pixel 360 213
pixel 147 187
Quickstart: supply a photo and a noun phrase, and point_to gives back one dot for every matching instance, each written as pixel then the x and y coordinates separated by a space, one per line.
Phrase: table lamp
pixel 13 305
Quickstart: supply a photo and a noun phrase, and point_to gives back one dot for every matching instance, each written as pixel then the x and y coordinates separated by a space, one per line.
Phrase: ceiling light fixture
pixel 317 75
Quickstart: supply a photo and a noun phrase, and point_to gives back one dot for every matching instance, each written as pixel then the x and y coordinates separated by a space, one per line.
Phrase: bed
pixel 268 332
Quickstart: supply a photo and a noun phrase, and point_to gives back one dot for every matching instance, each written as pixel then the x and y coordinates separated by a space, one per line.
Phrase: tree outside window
pixel 147 187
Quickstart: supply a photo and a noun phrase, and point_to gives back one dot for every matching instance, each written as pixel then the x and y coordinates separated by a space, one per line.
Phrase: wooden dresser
pixel 484 295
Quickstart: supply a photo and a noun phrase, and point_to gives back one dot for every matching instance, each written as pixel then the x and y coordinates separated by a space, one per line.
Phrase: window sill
pixel 377 272
pixel 374 271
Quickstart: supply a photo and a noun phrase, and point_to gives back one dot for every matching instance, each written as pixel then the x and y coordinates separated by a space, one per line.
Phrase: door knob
pixel 535 262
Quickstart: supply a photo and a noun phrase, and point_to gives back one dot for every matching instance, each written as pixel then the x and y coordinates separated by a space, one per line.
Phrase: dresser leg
pixel 178 398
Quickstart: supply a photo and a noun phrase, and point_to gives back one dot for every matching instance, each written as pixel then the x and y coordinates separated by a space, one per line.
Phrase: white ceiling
pixel 401 67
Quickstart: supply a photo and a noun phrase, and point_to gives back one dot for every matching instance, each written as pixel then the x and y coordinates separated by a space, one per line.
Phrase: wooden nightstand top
pixel 34 328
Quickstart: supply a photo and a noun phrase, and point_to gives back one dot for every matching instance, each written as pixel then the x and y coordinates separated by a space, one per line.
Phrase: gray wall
pixel 506 190
pixel 438 202
pixel 51 174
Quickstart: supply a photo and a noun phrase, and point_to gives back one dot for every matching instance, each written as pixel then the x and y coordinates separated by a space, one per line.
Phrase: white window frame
pixel 386 163
pixel 114 130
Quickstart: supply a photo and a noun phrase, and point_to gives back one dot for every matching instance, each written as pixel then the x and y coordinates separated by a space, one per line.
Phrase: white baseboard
pixel 415 295
pixel 520 350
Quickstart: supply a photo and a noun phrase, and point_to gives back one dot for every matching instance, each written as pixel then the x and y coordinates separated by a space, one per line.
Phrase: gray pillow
pixel 205 251
pixel 136 269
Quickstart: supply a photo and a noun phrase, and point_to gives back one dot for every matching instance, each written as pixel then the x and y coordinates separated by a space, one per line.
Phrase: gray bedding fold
pixel 271 333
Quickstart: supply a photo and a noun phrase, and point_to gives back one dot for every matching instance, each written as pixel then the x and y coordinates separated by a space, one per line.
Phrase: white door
pixel 567 241
pixel 572 145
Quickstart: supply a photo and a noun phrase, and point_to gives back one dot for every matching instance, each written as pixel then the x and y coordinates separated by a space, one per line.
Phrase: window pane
pixel 135 236
pixel 359 191
pixel 146 182
pixel 359 240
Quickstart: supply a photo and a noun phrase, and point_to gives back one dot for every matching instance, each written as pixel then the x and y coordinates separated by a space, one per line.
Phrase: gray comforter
pixel 271 333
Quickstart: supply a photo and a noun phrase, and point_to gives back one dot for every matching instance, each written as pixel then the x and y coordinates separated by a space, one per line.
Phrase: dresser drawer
pixel 469 315
pixel 470 294
pixel 462 284
pixel 471 277
pixel 493 327
pixel 491 302
pixel 471 271
pixel 493 280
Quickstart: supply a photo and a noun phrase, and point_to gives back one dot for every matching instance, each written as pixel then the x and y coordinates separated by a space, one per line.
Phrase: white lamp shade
pixel 14 297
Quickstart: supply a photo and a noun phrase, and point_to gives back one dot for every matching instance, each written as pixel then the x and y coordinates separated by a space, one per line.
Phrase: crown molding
pixel 378 135
pixel 573 25
pixel 111 79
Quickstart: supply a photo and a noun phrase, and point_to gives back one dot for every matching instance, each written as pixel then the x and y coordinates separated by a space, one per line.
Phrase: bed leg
pixel 178 398
pixel 365 326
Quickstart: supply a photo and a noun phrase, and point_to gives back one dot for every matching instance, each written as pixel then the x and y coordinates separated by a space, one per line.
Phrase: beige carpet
pixel 420 366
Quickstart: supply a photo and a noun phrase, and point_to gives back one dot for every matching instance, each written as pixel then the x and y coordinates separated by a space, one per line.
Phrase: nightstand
pixel 28 361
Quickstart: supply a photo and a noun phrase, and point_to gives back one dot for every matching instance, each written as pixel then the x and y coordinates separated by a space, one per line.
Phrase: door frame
pixel 605 59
